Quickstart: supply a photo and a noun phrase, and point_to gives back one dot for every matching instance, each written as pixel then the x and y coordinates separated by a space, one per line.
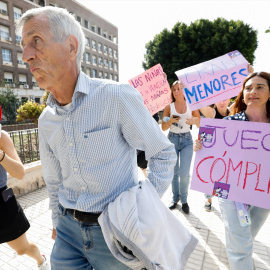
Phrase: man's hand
pixel 53 234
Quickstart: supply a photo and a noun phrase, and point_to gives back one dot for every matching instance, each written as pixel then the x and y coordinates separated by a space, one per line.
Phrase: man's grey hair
pixel 62 24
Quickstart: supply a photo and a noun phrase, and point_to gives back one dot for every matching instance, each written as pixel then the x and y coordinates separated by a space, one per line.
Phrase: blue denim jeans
pixel 208 196
pixel 184 149
pixel 81 246
pixel 239 240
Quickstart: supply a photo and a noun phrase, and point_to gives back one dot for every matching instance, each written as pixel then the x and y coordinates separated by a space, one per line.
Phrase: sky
pixel 139 21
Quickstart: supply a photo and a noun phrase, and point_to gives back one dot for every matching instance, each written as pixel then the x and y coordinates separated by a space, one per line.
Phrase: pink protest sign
pixel 214 80
pixel 154 88
pixel 235 164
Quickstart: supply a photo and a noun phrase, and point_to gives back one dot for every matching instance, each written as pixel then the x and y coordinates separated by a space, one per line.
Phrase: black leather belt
pixel 84 216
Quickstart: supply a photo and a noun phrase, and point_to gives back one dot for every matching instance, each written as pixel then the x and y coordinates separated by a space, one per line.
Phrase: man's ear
pixel 73 47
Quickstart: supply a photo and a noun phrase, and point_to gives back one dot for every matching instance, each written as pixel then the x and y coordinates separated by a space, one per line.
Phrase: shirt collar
pixel 82 81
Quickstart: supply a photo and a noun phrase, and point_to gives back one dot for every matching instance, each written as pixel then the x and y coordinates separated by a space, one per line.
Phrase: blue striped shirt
pixel 88 151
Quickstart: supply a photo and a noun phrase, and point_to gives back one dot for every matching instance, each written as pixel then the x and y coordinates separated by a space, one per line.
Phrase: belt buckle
pixel 74 215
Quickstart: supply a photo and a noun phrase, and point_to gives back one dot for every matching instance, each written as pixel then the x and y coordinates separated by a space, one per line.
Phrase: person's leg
pixel 239 242
pixel 81 246
pixel 174 138
pixel 98 253
pixel 208 203
pixel 186 152
pixel 258 217
pixel 22 246
pixel 68 250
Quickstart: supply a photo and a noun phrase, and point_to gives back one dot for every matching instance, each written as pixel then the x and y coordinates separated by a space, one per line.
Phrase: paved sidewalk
pixel 209 254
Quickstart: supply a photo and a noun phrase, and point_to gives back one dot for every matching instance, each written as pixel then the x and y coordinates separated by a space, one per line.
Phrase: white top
pixel 180 126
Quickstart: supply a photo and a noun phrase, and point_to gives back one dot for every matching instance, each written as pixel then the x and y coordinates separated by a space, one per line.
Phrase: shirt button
pixel 75 169
pixel 71 144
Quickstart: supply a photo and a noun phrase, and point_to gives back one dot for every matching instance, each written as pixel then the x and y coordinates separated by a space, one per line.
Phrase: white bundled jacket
pixel 138 221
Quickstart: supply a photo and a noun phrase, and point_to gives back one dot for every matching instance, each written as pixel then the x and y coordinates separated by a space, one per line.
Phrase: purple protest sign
pixel 235 165
pixel 154 88
pixel 214 80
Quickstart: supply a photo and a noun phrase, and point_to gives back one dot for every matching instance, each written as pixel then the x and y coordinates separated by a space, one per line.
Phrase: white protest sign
pixel 214 80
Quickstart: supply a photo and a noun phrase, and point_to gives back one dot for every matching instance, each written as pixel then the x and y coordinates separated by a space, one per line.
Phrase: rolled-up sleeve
pixel 142 132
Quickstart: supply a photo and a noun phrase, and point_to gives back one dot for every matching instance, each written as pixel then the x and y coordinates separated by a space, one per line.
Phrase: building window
pixel 79 19
pixel 115 66
pixel 94 73
pixel 87 71
pixel 41 3
pixel 22 79
pixel 17 13
pixel 105 34
pixel 99 31
pixel 24 99
pixel 93 45
pixel 87 42
pixel 34 82
pixel 110 51
pixel 106 62
pixel 111 76
pixel 37 100
pixel 116 78
pixel 105 49
pixel 3 8
pixel 86 24
pixel 19 58
pixel 18 40
pixel 110 64
pixel 110 37
pixel 94 60
pixel 100 61
pixel 6 55
pixel 87 57
pixel 115 53
pixel 100 75
pixel 99 47
pixel 93 28
pixel 8 76
pixel 4 33
pixel 105 75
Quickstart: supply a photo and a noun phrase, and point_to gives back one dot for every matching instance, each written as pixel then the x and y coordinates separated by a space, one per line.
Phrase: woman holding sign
pixel 252 104
pixel 218 111
pixel 14 224
pixel 179 118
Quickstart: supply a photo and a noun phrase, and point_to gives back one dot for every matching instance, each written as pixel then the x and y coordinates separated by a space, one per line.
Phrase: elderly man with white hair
pixel 88 136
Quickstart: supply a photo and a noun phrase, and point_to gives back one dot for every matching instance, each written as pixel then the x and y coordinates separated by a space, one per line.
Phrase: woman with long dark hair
pixel 252 104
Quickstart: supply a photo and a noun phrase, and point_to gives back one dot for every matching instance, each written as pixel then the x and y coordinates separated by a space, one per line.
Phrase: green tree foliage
pixel 9 102
pixel 202 40
pixel 30 110
pixel 268 30
pixel 45 97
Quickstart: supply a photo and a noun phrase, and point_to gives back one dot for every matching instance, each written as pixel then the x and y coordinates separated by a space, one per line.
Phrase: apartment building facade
pixel 100 58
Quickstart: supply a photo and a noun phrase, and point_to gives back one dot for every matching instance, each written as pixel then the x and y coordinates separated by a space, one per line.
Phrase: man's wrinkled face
pixel 45 57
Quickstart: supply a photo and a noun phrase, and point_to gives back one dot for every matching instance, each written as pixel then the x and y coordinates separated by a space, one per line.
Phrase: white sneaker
pixel 45 265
